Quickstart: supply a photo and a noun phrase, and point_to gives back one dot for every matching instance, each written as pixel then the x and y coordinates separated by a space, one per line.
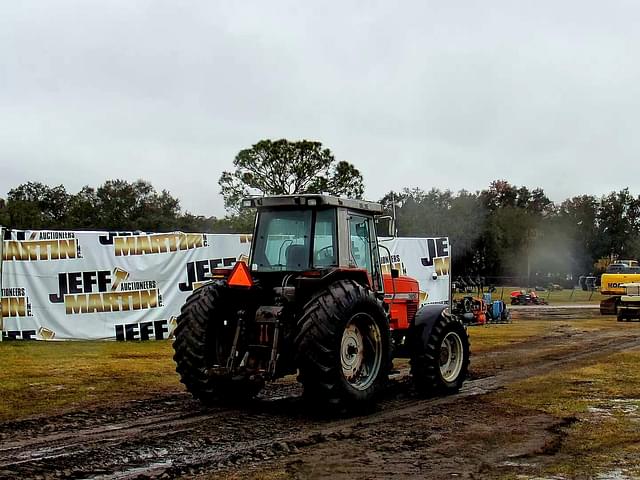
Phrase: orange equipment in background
pixel 402 294
pixel 472 310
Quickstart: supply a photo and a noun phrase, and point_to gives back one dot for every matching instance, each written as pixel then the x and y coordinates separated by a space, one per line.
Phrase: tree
pixel 282 167
pixel 501 194
pixel 459 216
pixel 82 210
pixel 619 225
pixel 539 204
pixel 515 227
pixel 136 206
pixel 35 205
pixel 577 220
pixel 4 213
pixel 116 205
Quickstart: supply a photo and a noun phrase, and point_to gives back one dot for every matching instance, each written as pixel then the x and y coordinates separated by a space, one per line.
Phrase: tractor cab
pixel 315 237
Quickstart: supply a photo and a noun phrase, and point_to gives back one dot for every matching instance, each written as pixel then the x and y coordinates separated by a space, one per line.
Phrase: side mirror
pixel 391 224
pixel 395 273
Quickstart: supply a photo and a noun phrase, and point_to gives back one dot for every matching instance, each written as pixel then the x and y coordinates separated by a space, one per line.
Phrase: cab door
pixel 363 247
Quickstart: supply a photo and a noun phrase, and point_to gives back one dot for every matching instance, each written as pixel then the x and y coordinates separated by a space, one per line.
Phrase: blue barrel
pixel 497 309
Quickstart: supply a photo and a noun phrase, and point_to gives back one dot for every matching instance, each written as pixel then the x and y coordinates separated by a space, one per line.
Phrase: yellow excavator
pixel 613 281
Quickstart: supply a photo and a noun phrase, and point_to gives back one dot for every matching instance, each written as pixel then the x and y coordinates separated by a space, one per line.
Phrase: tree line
pixel 114 205
pixel 514 231
pixel 502 230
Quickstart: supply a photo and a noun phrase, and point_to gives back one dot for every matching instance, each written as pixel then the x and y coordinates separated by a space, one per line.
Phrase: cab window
pixel 360 255
pixel 324 239
pixel 362 243
pixel 282 241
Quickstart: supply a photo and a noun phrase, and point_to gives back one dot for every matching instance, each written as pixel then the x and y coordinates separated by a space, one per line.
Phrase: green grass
pixel 50 377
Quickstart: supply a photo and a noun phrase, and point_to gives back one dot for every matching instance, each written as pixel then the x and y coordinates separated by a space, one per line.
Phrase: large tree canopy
pixel 35 205
pixel 282 167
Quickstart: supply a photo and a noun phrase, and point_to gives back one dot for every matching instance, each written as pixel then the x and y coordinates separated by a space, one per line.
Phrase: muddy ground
pixel 275 436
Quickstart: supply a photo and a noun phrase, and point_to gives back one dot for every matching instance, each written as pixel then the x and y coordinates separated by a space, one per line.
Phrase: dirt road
pixel 461 436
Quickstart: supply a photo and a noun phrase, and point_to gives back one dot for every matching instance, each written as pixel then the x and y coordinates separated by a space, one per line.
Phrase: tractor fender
pixel 419 330
pixel 427 317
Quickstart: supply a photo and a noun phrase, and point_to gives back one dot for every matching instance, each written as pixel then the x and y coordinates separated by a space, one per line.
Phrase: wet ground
pixel 461 436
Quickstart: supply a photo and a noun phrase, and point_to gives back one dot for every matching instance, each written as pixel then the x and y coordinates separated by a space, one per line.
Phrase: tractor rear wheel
pixel 440 358
pixel 342 348
pixel 203 339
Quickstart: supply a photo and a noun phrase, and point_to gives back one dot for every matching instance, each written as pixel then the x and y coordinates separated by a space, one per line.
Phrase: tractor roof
pixel 312 200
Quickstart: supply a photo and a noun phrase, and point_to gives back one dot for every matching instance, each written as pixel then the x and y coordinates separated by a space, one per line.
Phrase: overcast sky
pixel 415 94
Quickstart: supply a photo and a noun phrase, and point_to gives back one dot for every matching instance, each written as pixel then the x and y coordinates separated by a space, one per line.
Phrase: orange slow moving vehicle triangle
pixel 240 276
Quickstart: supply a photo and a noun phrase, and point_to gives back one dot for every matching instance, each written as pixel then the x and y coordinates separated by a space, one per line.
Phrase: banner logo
pixel 15 303
pixel 438 255
pixel 156 330
pixel 46 333
pixel 42 246
pixel 102 291
pixel 395 262
pixel 199 271
pixel 43 333
pixel 157 243
pixel 108 238
pixel 8 335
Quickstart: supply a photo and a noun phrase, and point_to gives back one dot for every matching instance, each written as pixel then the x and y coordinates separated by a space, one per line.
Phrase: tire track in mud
pixel 175 435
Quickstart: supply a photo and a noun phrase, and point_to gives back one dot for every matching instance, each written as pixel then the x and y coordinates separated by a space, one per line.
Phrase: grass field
pixel 555 297
pixel 601 402
pixel 49 377
pixel 495 336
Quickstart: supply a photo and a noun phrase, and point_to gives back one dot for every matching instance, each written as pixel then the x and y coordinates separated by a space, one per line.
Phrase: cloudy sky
pixel 415 94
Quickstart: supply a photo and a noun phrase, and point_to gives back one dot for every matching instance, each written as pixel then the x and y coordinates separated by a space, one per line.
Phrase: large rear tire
pixel 203 339
pixel 440 358
pixel 342 348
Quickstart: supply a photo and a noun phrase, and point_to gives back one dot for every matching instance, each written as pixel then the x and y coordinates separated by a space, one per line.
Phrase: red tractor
pixel 522 297
pixel 313 301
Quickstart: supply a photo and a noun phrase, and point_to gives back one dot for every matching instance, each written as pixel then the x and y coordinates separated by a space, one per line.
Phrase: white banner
pixel 104 285
pixel 61 285
pixel 428 260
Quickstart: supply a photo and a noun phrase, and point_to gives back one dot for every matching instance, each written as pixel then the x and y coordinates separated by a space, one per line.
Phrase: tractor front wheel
pixel 343 345
pixel 440 357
